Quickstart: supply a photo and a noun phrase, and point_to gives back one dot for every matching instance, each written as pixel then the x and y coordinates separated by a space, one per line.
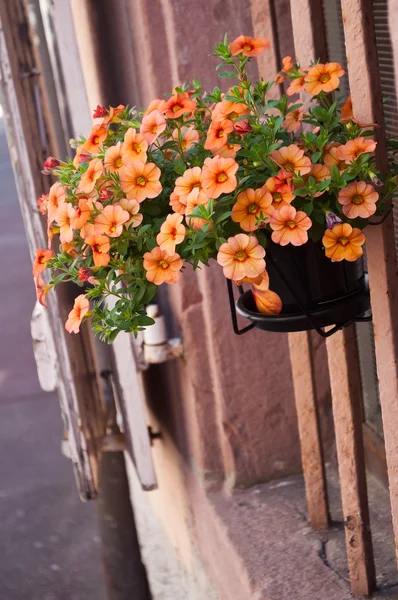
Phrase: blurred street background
pixel 49 547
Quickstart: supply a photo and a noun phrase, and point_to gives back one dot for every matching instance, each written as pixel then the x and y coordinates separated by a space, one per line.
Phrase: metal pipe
pixel 125 573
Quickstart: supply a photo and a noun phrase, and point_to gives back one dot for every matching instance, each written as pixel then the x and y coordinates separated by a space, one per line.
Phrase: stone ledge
pixel 257 544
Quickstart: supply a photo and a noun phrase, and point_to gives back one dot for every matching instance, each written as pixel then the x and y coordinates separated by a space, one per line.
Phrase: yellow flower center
pixel 252 208
pixel 164 264
pixel 173 233
pixel 112 228
pixel 221 177
pixel 247 47
pixel 118 162
pixel 96 140
pixel 176 108
pixel 357 199
pixel 277 197
pixel 233 115
pixel 220 133
pixel 324 78
pixel 289 167
pixel 291 224
pixel 136 148
pixel 240 255
pixel 343 241
pixel 141 180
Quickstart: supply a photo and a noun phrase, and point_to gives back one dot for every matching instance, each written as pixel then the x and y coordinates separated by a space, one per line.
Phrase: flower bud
pixel 100 112
pixel 50 164
pixel 332 219
pixel 375 180
pixel 84 274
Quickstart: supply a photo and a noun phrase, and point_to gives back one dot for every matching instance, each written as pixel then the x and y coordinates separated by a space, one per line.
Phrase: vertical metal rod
pixel 125 573
pixel 364 77
pixel 309 430
pixel 347 415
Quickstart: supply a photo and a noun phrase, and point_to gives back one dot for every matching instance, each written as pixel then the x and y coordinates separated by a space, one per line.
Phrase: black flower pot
pixel 315 291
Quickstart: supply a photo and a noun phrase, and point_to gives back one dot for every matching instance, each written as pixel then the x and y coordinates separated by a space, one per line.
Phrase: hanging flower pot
pixel 315 292
pixel 276 191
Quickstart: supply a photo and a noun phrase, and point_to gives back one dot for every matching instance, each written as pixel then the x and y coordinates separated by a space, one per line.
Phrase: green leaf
pixel 228 75
pixel 179 166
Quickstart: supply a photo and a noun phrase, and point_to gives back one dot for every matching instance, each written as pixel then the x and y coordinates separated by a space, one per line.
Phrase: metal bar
pixel 382 261
pixel 347 414
pixel 263 16
pixel 309 430
pixel 308 30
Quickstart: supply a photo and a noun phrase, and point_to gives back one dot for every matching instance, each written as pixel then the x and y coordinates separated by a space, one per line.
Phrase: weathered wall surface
pixel 226 410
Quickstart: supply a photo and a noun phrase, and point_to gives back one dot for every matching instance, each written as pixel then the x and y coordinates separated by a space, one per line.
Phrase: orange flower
pixel 358 199
pixel 296 86
pixel 111 220
pixel 113 160
pixel 41 289
pixel 132 207
pixel 248 46
pixel 228 151
pixel 178 105
pixel 81 156
pixel 241 256
pixel 177 204
pixel 69 248
pixel 162 268
pixel 290 226
pixel 152 126
pixel 191 180
pixel 80 308
pixel 287 64
pixel 97 136
pixel 189 136
pixel 323 78
pixel 91 175
pixel 82 213
pixel 65 216
pixel 331 159
pixel 172 232
pixel 346 109
pixel 41 260
pixel 291 159
pixel 195 199
pixel 229 110
pixel 140 180
pixel 354 148
pixel 218 176
pixel 100 246
pixel 319 172
pixel 293 118
pixel 113 114
pixel 56 197
pixel 250 204
pixel 281 192
pixel 134 147
pixel 217 134
pixel 343 243
pixel 42 203
pixel 155 105
pixel 267 302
